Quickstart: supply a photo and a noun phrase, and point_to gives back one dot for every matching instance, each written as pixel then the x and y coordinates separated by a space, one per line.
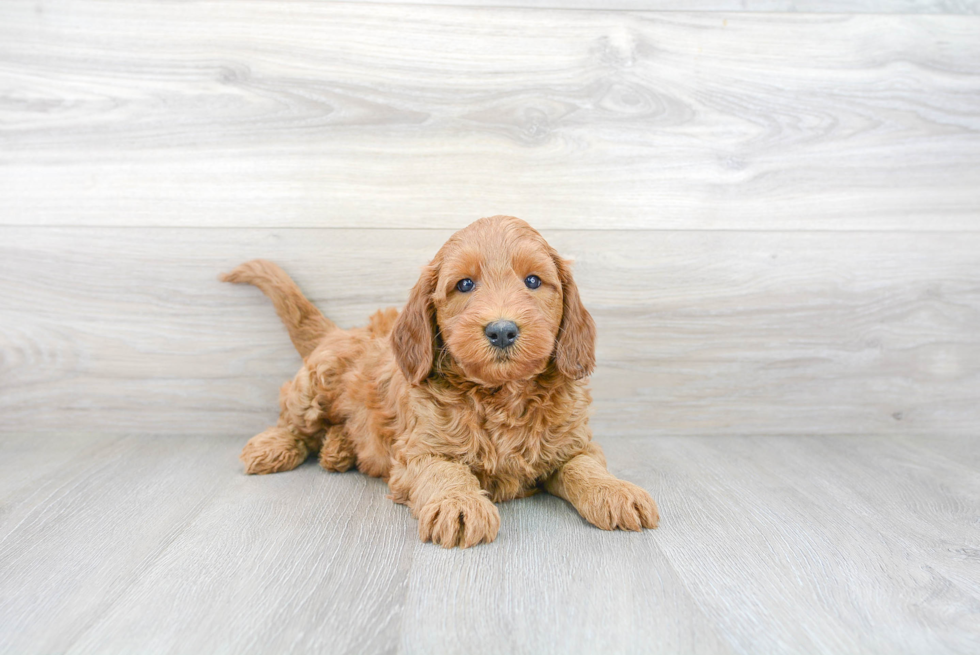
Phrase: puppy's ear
pixel 413 335
pixel 575 345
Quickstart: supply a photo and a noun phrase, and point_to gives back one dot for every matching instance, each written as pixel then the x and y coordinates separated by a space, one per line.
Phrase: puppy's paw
pixel 619 504
pixel 273 451
pixel 459 520
pixel 336 454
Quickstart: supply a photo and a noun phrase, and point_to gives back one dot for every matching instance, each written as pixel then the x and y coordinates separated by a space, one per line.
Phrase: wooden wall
pixel 775 216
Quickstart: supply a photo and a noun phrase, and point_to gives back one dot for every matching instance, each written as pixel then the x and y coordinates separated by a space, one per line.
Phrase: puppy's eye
pixel 532 281
pixel 465 285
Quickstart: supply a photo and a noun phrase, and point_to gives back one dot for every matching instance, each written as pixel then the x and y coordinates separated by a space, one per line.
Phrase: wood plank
pixel 251 113
pixel 785 545
pixel 302 562
pixel 802 6
pixel 963 451
pixel 25 463
pixel 767 544
pixel 931 502
pixel 552 583
pixel 70 548
pixel 699 332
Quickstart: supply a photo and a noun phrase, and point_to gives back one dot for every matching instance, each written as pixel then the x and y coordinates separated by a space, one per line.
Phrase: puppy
pixel 474 394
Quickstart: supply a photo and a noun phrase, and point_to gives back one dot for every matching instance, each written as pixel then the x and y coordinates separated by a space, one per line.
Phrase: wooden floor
pixel 768 545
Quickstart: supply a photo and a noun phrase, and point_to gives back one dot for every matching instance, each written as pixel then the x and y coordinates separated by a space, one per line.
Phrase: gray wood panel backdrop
pixel 775 216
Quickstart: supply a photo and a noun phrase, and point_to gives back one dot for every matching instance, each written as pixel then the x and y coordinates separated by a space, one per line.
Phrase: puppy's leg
pixel 297 434
pixel 447 500
pixel 275 450
pixel 337 452
pixel 602 499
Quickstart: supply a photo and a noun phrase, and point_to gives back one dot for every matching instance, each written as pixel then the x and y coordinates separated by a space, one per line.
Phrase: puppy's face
pixel 501 303
pixel 498 304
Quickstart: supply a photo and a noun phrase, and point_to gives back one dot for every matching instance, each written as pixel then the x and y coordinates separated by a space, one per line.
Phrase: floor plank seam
pixel 146 564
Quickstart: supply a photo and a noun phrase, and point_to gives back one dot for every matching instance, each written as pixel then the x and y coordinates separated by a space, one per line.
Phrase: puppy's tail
pixel 304 321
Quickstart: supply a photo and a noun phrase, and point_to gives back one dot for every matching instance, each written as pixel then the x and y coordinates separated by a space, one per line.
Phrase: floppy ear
pixel 413 335
pixel 575 345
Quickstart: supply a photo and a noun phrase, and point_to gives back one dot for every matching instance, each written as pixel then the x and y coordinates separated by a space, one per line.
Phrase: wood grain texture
pixel 24 463
pixel 555 585
pixel 250 113
pixel 768 544
pixel 87 530
pixel 821 545
pixel 728 333
pixel 731 6
pixel 307 562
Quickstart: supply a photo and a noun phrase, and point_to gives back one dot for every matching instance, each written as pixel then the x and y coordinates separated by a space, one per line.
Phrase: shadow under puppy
pixel 474 394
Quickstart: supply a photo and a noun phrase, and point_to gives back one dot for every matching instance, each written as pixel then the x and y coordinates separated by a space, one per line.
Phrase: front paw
pixel 459 520
pixel 619 504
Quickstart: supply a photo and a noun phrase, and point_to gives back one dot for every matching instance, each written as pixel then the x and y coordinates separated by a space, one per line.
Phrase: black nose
pixel 502 334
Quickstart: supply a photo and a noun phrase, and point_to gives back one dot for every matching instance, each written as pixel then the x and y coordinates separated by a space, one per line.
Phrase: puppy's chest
pixel 508 447
pixel 509 453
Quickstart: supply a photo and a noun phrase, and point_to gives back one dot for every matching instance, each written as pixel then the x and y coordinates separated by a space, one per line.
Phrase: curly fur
pixel 421 399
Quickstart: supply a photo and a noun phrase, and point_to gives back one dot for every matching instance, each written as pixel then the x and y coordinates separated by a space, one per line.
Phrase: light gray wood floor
pixel 161 544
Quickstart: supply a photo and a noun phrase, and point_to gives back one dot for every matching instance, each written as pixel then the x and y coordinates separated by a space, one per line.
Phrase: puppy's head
pixel 501 303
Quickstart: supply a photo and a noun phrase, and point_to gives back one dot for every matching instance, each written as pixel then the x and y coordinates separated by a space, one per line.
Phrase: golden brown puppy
pixel 474 394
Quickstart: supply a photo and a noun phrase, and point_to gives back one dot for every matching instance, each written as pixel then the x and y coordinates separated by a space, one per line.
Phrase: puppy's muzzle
pixel 502 334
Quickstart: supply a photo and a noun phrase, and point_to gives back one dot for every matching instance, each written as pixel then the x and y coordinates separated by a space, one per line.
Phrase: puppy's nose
pixel 502 334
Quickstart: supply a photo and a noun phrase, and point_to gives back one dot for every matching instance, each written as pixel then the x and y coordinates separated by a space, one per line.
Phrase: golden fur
pixel 423 400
